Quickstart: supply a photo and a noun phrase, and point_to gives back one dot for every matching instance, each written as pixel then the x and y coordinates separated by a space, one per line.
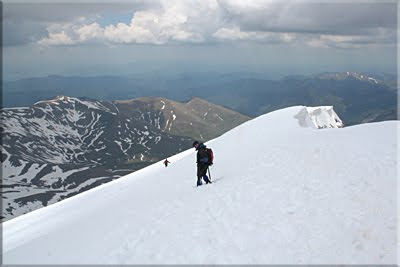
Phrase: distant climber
pixel 166 162
pixel 203 161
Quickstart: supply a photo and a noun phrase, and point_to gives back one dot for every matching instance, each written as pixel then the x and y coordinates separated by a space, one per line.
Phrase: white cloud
pixel 90 32
pixel 235 34
pixel 316 43
pixel 377 37
pixel 57 39
pixel 287 37
pixel 240 6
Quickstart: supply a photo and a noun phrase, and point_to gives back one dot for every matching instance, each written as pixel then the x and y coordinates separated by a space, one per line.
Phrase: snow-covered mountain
pixel 283 192
pixel 197 118
pixel 61 147
pixel 351 74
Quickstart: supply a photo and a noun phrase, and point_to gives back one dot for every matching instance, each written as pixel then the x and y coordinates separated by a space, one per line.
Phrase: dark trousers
pixel 202 173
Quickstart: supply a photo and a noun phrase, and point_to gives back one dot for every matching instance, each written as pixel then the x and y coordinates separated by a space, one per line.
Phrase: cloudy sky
pixel 280 37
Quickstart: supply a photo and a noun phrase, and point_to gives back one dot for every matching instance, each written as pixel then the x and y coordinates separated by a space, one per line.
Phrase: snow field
pixel 281 194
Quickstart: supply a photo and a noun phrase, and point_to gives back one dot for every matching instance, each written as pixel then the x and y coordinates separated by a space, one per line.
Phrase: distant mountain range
pixel 357 97
pixel 60 147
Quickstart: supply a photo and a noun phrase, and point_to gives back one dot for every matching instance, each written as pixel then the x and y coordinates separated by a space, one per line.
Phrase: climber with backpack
pixel 205 158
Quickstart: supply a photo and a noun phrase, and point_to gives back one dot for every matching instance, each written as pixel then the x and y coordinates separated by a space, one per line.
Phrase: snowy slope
pixel 298 196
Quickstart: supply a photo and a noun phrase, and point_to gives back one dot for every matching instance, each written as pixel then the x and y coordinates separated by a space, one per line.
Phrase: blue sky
pixel 279 37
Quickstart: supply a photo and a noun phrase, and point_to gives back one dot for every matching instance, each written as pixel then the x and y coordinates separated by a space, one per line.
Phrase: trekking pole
pixel 209 174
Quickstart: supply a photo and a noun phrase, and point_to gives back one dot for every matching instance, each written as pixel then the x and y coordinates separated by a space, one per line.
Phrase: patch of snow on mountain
pixel 372 79
pixel 92 105
pixel 158 139
pixel 95 138
pixel 74 115
pixel 21 109
pixel 219 117
pixel 157 122
pixel 119 144
pixel 8 168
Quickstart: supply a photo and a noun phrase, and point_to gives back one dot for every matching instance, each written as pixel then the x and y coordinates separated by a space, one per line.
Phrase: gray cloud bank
pixel 315 24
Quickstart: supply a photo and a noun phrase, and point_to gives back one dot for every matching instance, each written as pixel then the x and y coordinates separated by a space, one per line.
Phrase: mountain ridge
pixel 65 145
pixel 356 100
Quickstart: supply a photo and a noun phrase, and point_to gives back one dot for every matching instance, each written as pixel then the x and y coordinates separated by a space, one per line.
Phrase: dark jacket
pixel 202 157
pixel 202 160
